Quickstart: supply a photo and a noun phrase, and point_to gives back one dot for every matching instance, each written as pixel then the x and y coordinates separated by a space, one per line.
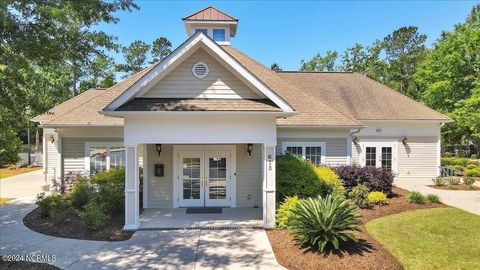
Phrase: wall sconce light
pixel 355 139
pixel 159 148
pixel 249 149
pixel 404 140
pixel 52 139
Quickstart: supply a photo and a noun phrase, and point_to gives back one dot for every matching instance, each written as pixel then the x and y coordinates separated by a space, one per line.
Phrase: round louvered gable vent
pixel 200 70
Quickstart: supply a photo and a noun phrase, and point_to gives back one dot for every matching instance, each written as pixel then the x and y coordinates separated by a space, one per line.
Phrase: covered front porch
pixel 231 169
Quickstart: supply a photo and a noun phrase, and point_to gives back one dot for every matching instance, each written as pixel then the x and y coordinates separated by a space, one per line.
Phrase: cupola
pixel 215 23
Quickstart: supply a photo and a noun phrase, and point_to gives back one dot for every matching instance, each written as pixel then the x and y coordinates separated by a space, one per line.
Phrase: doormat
pixel 204 210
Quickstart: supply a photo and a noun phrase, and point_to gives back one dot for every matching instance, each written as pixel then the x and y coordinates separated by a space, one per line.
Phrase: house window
pixel 204 30
pixel 371 156
pixel 315 152
pixel 103 156
pixel 219 34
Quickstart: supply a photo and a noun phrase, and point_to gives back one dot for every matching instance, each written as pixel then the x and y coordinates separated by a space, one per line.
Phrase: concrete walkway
pixel 25 185
pixel 466 200
pixel 195 249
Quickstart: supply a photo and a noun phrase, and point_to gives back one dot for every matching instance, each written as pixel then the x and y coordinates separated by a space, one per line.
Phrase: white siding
pixel 336 148
pixel 249 176
pixel 160 189
pixel 219 82
pixel 52 159
pixel 418 159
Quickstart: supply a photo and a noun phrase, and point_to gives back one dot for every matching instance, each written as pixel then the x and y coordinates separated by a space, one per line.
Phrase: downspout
pixel 349 142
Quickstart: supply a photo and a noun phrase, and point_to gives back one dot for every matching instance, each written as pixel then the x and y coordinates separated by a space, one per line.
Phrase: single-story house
pixel 207 123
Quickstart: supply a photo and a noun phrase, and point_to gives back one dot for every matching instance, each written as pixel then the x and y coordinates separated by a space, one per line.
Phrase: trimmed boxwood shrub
pixel 377 197
pixel 297 176
pixel 284 211
pixel 452 161
pixel 457 167
pixel 473 173
pixel 376 179
pixel 327 175
pixel 472 166
pixel 111 188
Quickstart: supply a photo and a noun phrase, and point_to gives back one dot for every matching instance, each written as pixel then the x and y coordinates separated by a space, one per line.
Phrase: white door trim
pixel 379 145
pixel 231 192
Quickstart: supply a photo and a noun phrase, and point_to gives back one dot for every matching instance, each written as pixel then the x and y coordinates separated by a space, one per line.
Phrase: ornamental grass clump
pixel 469 181
pixel 433 198
pixel 416 197
pixel 325 222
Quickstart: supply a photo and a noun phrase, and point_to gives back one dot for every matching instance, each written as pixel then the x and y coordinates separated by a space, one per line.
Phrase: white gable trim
pixel 159 71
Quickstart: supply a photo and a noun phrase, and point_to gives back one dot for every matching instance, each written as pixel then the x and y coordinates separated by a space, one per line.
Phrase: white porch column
pixel 268 159
pixel 131 188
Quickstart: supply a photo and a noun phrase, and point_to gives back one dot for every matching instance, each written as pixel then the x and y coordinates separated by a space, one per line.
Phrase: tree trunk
pixel 74 80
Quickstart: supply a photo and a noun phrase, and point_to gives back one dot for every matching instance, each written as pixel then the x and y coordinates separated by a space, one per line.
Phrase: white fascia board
pixel 317 127
pixel 199 113
pixel 140 86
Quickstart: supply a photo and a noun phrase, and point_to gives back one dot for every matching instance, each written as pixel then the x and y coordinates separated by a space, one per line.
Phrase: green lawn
pixel 440 238
pixel 5 200
pixel 5 175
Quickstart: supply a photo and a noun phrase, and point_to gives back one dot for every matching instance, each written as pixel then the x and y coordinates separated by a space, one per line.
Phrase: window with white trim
pixel 315 152
pixel 219 34
pixel 101 156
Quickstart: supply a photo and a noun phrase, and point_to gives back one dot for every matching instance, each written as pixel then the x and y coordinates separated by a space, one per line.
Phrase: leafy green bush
pixel 452 161
pixel 95 216
pixel 323 222
pixel 332 180
pixel 468 181
pixel 359 196
pixel 472 166
pixel 377 197
pixel 43 204
pixel 453 181
pixel 472 162
pixel 284 212
pixel 81 193
pixel 474 156
pixel 432 198
pixel 457 167
pixel 111 188
pixel 297 176
pixel 473 173
pixel 55 206
pixel 439 181
pixel 416 197
pixel 448 154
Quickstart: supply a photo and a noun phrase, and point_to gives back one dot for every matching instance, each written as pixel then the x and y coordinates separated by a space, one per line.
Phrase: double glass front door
pixel 204 178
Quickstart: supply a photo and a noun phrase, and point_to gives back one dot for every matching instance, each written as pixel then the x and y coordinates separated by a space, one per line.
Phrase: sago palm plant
pixel 324 221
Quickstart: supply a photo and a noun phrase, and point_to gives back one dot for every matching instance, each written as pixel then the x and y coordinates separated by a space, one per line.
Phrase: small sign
pixel 159 170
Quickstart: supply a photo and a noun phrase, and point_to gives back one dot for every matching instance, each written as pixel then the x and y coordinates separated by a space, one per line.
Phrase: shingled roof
pixel 361 97
pixel 319 99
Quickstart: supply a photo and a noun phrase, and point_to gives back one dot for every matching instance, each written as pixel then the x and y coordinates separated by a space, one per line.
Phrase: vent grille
pixel 200 70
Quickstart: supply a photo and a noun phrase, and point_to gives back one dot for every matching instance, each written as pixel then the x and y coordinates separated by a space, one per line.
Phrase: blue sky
pixel 288 31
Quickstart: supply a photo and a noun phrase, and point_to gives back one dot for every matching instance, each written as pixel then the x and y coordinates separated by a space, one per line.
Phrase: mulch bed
pixel 74 227
pixel 22 265
pixel 366 254
pixel 456 187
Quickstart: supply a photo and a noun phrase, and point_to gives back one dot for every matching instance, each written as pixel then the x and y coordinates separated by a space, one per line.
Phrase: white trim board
pixel 183 51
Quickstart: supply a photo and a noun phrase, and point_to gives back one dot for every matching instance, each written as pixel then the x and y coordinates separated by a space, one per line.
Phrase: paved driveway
pixel 26 185
pixel 195 249
pixel 466 200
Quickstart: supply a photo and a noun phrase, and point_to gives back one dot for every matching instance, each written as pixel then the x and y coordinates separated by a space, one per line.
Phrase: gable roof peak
pixel 210 13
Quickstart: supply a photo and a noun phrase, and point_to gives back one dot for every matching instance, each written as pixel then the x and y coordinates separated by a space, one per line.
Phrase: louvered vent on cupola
pixel 200 70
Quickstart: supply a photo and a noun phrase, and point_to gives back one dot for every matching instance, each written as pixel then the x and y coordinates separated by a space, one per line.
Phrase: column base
pixel 131 227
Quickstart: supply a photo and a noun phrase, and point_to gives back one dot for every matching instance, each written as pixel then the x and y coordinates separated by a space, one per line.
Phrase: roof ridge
pixel 313 72
pixel 299 88
pixel 400 94
pixel 74 107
